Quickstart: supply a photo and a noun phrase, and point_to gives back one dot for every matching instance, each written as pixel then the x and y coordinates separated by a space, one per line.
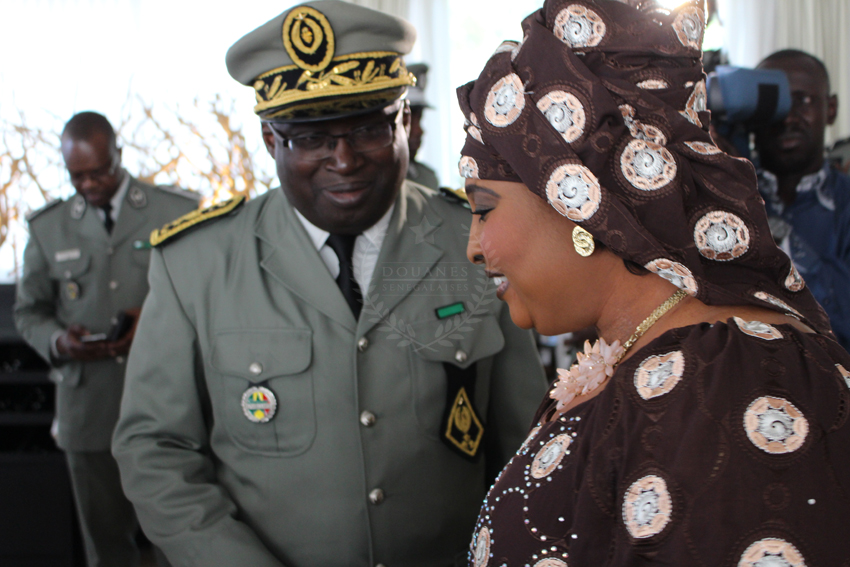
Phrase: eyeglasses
pixel 99 174
pixel 318 146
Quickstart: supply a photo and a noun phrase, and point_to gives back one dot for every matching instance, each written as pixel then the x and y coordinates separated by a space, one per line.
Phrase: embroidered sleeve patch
pixel 464 429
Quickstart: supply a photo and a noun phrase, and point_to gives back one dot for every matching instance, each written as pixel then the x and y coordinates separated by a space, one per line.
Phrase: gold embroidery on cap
pixel 307 35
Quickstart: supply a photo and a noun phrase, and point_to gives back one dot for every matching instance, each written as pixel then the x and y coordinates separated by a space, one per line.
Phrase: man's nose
pixel 344 158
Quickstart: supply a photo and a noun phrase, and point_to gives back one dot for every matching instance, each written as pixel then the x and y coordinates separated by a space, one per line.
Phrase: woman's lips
pixel 501 285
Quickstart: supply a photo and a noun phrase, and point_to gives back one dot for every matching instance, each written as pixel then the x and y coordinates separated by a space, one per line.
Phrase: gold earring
pixel 583 241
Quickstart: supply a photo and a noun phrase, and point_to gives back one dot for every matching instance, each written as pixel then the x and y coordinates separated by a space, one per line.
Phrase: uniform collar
pixel 375 233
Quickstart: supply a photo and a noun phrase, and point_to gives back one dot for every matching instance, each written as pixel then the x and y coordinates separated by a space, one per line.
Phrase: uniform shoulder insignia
pixel 457 196
pixel 185 193
pixel 33 214
pixel 177 227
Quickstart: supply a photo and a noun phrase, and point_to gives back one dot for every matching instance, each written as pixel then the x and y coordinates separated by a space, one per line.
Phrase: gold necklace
pixel 653 318
pixel 597 362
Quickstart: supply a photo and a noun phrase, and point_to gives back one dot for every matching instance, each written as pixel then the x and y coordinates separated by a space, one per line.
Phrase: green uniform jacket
pixel 246 301
pixel 422 174
pixel 77 273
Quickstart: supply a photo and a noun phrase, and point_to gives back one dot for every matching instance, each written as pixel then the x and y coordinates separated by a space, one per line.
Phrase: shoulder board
pixel 185 193
pixel 457 196
pixel 176 228
pixel 33 214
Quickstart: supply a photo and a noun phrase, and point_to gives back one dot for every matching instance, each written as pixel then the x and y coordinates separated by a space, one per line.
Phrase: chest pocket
pixel 71 269
pixel 142 258
pixel 279 361
pixel 461 348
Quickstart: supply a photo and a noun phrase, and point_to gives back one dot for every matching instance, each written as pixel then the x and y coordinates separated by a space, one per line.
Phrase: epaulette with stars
pixel 457 196
pixel 176 228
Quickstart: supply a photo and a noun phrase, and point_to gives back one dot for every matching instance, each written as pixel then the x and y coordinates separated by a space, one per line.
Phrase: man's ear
pixel 831 109
pixel 268 138
pixel 406 117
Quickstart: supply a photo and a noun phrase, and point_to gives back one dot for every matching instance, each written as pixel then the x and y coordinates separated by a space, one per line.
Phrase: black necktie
pixel 107 220
pixel 343 245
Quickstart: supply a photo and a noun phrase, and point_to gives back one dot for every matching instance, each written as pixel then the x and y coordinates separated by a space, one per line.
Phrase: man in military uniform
pixel 85 265
pixel 418 171
pixel 319 376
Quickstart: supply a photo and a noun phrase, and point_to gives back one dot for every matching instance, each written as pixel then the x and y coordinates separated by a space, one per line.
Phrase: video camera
pixel 741 99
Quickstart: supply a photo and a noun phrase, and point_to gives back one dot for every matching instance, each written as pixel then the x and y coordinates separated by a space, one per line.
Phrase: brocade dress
pixel 723 444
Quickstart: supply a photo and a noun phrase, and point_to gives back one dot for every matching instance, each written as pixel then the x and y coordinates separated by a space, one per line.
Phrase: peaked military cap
pixel 324 59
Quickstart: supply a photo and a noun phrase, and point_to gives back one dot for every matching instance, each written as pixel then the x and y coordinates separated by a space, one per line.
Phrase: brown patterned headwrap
pixel 600 111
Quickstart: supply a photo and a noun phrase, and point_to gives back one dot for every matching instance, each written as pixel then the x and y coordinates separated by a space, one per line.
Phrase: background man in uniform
pixel 86 261
pixel 808 202
pixel 418 171
pixel 273 415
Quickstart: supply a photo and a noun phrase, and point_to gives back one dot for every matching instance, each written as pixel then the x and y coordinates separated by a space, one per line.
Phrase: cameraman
pixel 808 203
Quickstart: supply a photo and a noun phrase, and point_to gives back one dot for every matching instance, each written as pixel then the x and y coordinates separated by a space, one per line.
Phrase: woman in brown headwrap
pixel 708 426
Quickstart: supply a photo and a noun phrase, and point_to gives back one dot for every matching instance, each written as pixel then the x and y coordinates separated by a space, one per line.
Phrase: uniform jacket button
pixel 376 496
pixel 113 285
pixel 255 368
pixel 362 344
pixel 368 418
pixel 460 356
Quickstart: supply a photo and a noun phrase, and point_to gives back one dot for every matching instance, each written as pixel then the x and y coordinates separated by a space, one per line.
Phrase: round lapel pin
pixel 78 208
pixel 137 198
pixel 259 404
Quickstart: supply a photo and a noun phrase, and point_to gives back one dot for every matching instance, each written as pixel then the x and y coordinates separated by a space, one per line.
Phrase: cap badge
pixel 308 38
pixel 259 404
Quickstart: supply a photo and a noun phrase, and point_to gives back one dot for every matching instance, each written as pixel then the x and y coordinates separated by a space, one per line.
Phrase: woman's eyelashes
pixel 481 212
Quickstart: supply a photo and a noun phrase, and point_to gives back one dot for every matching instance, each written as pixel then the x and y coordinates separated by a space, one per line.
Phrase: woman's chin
pixel 520 316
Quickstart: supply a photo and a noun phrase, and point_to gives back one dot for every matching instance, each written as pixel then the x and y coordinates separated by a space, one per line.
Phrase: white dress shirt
pixel 116 199
pixel 367 246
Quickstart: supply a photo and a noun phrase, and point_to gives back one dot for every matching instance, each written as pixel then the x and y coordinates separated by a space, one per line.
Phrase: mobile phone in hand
pixel 93 338
pixel 120 325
